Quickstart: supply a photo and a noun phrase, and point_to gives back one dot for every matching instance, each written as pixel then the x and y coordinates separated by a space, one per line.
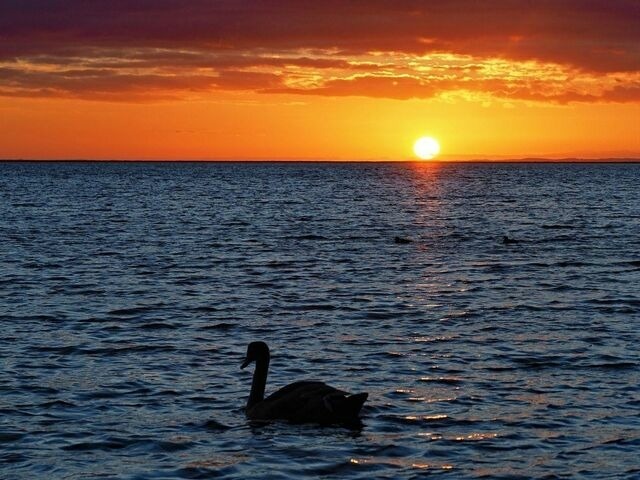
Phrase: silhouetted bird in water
pixel 300 402
pixel 509 241
pixel 402 241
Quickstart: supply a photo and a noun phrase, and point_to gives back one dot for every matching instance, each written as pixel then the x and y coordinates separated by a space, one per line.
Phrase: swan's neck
pixel 259 381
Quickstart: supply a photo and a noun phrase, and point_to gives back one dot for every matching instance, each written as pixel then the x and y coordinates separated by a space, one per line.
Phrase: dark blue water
pixel 128 294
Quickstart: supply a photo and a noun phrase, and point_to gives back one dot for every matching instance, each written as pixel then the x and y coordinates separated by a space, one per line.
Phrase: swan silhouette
pixel 299 402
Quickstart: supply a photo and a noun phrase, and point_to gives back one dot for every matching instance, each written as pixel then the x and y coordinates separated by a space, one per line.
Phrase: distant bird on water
pixel 299 402
pixel 402 241
pixel 509 241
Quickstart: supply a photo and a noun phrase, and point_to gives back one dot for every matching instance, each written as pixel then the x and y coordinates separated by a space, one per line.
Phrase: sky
pixel 316 80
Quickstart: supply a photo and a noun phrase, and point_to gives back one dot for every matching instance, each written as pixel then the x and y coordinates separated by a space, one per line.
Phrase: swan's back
pixel 309 401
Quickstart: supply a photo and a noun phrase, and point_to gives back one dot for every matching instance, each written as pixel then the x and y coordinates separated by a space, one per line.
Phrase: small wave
pixel 443 380
pixel 12 457
pixel 125 312
pixel 308 237
pixel 623 441
pixel 389 355
pixel 572 263
pixel 8 437
pixel 41 390
pixel 42 318
pixel 539 362
pixel 214 425
pixel 611 366
pixel 433 339
pixel 311 307
pixel 114 391
pixel 107 253
pixel 558 227
pixel 170 446
pixel 277 264
pixel 110 351
pixel 219 326
pixel 628 304
pixel 157 326
pixel 236 223
pixel 558 238
pixel 57 404
pixel 121 443
pixel 88 446
pixel 380 315
pixel 166 393
pixel 209 467
pixel 60 350
pixel 205 309
pixel 28 205
pixel 435 419
pixel 262 284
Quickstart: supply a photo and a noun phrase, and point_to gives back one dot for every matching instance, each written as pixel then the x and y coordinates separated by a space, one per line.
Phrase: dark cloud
pixel 159 46
pixel 107 84
pixel 601 35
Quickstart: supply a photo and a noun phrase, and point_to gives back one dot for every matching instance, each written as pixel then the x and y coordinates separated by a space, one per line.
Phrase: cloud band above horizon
pixel 543 51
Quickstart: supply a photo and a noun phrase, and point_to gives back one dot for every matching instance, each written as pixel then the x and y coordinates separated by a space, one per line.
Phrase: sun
pixel 426 148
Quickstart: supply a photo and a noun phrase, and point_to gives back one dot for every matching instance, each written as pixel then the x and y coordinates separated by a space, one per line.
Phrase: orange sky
pixel 299 80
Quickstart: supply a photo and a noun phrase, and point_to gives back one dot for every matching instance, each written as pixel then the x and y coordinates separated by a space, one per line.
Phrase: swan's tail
pixel 350 406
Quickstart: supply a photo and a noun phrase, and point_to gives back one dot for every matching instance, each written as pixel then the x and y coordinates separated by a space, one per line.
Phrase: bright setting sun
pixel 426 148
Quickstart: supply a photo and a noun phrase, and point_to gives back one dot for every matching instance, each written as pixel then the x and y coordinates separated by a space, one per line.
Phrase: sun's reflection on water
pixel 425 418
pixel 432 400
pixel 476 436
pixel 400 462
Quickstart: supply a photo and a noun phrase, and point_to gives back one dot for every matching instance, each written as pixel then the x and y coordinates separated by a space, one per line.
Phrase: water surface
pixel 128 294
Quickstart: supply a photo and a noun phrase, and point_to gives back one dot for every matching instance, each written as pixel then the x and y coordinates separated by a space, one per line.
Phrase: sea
pixel 130 291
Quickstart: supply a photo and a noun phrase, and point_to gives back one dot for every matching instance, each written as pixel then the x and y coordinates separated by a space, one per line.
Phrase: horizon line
pixel 320 160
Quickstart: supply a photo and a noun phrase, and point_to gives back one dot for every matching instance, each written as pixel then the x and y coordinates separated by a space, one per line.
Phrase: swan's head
pixel 255 350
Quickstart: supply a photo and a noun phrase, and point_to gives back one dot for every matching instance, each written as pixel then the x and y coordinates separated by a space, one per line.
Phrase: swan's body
pixel 299 402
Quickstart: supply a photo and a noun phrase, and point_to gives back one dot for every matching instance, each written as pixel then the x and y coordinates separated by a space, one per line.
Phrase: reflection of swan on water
pixel 300 402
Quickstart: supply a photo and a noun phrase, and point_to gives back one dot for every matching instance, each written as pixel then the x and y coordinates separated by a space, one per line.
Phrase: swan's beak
pixel 245 363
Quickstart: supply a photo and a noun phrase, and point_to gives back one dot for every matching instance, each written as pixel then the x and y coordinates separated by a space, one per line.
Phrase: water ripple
pixel 129 293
